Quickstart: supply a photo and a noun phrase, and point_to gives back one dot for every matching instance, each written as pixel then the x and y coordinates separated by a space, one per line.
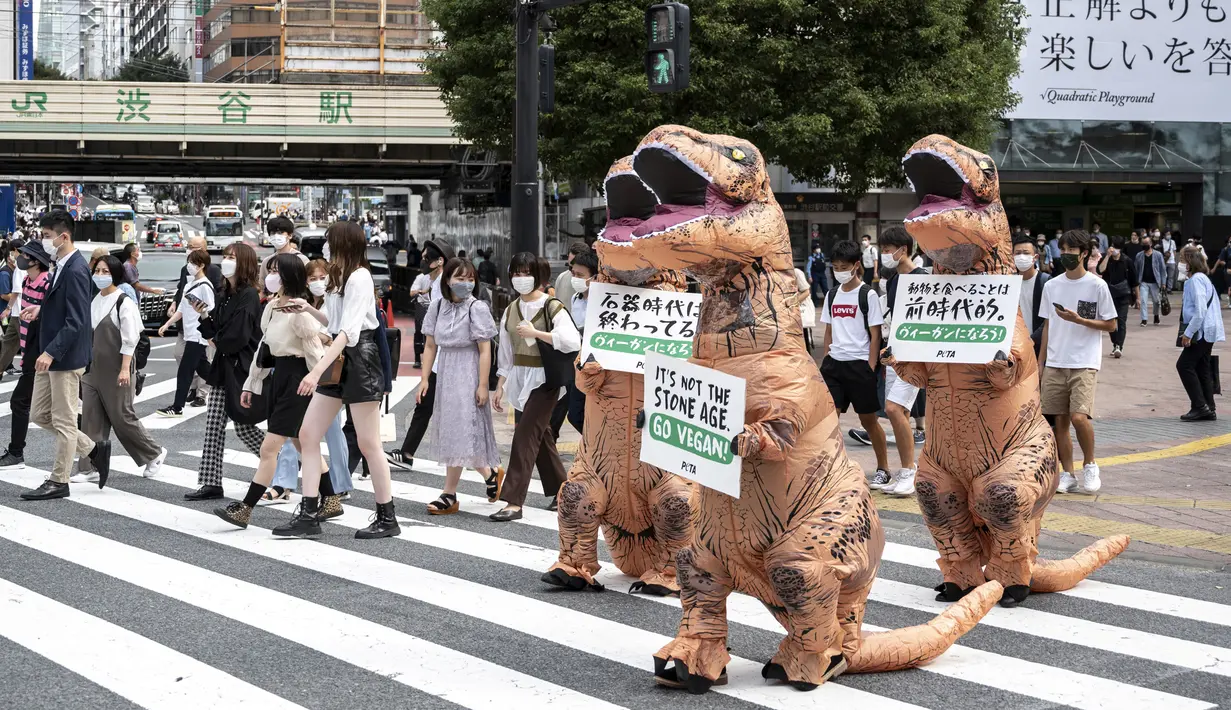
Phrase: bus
pixel 224 224
pixel 123 216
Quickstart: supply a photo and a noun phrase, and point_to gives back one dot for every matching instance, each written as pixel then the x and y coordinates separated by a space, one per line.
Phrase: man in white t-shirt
pixel 1079 309
pixel 852 312
pixel 1167 246
pixel 869 255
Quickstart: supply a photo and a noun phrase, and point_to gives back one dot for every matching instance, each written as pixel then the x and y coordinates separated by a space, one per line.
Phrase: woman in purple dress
pixel 459 330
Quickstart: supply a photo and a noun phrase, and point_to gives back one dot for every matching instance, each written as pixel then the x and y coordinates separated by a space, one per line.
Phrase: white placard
pixel 624 323
pixel 691 415
pixel 1125 60
pixel 957 319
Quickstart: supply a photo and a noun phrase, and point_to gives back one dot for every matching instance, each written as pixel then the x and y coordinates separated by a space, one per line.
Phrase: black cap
pixel 33 249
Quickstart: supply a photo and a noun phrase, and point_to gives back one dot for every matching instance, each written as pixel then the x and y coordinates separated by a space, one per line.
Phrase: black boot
pixel 1014 594
pixel 306 522
pixel 384 524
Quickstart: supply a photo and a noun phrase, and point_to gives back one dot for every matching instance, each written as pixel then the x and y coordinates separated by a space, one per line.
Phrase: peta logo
pixel 844 310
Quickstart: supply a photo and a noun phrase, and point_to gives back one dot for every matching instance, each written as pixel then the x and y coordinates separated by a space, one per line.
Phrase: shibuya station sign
pixel 1125 60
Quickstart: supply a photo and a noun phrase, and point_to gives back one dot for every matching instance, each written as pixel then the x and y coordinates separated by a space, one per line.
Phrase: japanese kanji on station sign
pixel 1126 60
pixel 956 319
pixel 624 323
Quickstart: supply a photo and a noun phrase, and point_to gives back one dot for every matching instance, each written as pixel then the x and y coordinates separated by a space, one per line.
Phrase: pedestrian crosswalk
pixel 133 597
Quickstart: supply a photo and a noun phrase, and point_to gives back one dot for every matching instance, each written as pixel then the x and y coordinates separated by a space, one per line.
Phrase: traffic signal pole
pixel 526 197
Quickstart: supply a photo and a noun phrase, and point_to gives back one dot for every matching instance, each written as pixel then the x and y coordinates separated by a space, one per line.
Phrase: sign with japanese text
pixel 624 323
pixel 1125 60
pixel 955 319
pixel 691 415
pixel 25 40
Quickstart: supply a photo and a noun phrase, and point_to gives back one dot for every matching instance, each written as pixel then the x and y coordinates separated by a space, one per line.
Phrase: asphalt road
pixel 131 597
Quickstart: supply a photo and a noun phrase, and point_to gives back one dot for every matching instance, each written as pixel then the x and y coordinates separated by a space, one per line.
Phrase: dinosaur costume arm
pixel 590 377
pixel 774 435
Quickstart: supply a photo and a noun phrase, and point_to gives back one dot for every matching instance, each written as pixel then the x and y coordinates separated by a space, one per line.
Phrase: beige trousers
pixel 54 408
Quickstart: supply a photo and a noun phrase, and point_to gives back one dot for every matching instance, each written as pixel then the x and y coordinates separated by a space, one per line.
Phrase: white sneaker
pixel 91 477
pixel 905 485
pixel 1090 482
pixel 152 468
pixel 1067 484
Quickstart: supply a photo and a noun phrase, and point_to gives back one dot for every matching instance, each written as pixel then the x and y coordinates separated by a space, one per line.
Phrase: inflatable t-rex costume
pixel 988 469
pixel 645 512
pixel 804 536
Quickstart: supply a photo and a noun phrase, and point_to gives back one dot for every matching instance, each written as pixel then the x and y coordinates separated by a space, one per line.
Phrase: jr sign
pixel 1117 60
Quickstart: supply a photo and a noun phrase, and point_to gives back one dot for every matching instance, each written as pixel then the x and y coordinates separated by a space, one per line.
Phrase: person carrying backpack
pixel 852 346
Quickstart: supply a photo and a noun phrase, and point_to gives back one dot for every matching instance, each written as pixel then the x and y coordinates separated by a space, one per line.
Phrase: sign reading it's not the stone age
pixel 624 323
pixel 957 319
pixel 691 415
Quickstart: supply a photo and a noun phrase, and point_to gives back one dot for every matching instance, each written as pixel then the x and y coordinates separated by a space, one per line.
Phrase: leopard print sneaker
pixel 331 507
pixel 237 514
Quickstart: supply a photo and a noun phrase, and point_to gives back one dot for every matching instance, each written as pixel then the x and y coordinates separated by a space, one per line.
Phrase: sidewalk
pixel 1166 483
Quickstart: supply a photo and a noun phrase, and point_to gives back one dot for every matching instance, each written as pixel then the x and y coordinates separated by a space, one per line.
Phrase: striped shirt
pixel 32 293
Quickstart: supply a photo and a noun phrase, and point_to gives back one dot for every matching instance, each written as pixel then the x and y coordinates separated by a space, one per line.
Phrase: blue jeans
pixel 1148 293
pixel 287 474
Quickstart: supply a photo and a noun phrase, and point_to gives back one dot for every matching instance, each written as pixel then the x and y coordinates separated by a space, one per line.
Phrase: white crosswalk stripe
pixel 452 614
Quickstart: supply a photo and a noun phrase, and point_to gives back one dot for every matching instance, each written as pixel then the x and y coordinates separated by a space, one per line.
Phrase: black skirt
pixel 363 379
pixel 286 405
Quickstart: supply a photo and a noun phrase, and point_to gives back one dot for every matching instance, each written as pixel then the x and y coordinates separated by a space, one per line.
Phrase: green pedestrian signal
pixel 666 58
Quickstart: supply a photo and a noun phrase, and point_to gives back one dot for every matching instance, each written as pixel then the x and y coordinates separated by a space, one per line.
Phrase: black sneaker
pixel 861 436
pixel 198 402
pixel 11 462
pixel 880 478
pixel 919 436
pixel 170 412
pixel 1155 319
pixel 12 371
pixel 399 459
pixel 306 522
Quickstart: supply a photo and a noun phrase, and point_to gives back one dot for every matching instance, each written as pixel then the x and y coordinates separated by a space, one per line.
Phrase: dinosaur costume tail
pixel 1048 576
pixel 916 645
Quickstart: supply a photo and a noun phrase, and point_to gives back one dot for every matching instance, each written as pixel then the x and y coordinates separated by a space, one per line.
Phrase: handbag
pixel 264 357
pixel 557 366
pixel 258 409
pixel 1165 302
pixel 333 375
pixel 1119 291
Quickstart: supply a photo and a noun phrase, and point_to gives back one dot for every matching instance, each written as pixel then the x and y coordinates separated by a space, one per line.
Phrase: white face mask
pixel 102 282
pixel 49 246
pixel 523 284
pixel 844 276
pixel 273 282
pixel 228 268
pixel 193 269
pixel 889 261
pixel 278 240
pixel 325 252
pixel 318 287
pixel 579 284
pixel 1023 262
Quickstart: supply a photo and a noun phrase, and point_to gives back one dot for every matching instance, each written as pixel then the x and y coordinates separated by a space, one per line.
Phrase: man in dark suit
pixel 66 343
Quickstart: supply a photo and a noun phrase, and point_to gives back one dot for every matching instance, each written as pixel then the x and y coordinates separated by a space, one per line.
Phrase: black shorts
pixel 363 378
pixel 851 382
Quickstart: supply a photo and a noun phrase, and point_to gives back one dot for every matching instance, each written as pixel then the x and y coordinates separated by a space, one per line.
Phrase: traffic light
pixel 666 62
pixel 547 78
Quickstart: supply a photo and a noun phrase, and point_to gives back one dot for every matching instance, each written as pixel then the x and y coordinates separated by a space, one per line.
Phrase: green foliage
pixel 834 90
pixel 46 71
pixel 165 67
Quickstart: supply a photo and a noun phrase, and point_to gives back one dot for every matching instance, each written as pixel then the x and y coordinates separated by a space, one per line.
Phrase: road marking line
pixel 412 661
pixel 133 667
pixel 574 631
pixel 1187 449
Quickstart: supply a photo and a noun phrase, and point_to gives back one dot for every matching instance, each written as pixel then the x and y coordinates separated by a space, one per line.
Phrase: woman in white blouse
pixel 350 318
pixel 107 386
pixel 524 381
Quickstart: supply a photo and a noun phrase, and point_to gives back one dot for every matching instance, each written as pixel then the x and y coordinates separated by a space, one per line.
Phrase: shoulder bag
pixel 557 366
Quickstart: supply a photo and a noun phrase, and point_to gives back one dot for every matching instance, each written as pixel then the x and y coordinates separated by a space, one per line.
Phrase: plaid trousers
pixel 210 473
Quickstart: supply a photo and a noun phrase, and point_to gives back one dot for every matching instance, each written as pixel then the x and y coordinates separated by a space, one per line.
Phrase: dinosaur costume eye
pixel 737 154
pixel 987 166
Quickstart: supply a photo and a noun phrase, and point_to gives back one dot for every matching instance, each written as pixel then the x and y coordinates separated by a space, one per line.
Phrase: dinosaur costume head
pixel 694 202
pixel 959 222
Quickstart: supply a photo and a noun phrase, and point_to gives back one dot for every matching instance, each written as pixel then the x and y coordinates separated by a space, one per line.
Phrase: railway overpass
pixel 119 131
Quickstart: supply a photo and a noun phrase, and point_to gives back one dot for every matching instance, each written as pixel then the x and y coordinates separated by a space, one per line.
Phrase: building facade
pixel 158 27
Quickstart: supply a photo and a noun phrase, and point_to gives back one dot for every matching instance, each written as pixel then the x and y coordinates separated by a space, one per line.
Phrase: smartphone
pixel 194 300
pixel 1059 307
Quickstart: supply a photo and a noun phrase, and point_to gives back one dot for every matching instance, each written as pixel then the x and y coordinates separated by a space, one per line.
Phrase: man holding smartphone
pixel 1078 309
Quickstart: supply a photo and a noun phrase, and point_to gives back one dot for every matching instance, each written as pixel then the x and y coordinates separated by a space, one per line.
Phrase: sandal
pixel 275 496
pixel 446 504
pixel 495 484
pixel 505 515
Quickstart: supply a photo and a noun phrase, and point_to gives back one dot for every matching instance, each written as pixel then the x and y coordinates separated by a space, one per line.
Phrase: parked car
pixel 170 234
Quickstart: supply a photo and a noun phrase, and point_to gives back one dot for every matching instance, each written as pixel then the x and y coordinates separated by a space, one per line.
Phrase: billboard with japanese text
pixel 25 40
pixel 1126 60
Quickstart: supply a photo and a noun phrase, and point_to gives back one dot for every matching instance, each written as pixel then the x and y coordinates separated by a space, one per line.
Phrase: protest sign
pixel 691 415
pixel 624 323
pixel 957 319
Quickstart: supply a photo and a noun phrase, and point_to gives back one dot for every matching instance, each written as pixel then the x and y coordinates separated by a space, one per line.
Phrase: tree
pixel 834 90
pixel 164 67
pixel 46 71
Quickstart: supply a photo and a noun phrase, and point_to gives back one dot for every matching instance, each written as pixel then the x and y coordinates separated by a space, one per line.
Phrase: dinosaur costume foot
pixel 568 578
pixel 950 592
pixel 656 584
pixel 698 664
pixel 1014 594
pixel 775 671
pixel 1048 576
pixel 677 676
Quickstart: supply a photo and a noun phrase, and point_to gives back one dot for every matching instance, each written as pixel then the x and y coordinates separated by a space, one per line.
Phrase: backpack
pixel 864 293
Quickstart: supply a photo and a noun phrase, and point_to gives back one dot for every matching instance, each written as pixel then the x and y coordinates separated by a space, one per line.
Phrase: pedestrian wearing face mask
pixel 198 389
pixel 426 286
pixel 582 272
pixel 1166 243
pixel 530 319
pixel 1026 255
pixel 1121 278
pixel 1099 239
pixel 1132 248
pixel 34 262
pixel 1053 253
pixel 107 388
pixel 459 331
pixel 1151 271
pixel 814 272
pixel 280 231
pixel 564 282
pixel 197 301
pixel 869 254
